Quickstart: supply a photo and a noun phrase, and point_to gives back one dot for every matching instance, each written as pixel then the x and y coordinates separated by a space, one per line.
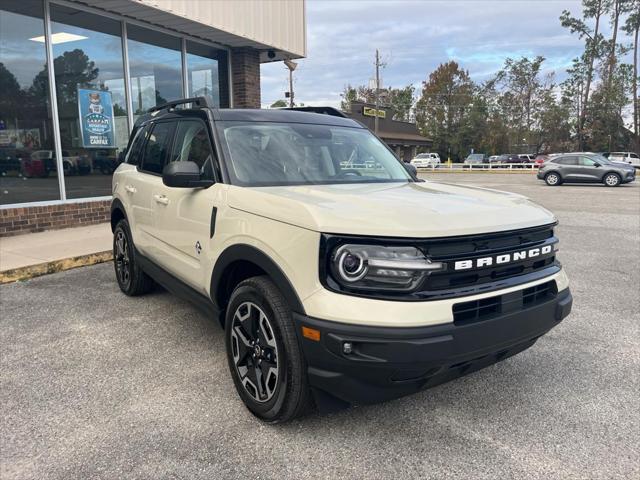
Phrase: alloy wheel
pixel 552 179
pixel 611 180
pixel 121 258
pixel 255 352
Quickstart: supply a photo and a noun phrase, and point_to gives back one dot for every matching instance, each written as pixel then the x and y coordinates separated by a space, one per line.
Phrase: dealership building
pixel 75 76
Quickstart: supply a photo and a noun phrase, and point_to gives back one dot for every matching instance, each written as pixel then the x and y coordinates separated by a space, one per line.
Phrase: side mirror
pixel 597 165
pixel 184 175
pixel 413 171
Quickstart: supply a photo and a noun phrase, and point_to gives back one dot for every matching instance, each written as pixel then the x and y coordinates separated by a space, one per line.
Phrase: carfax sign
pixel 96 118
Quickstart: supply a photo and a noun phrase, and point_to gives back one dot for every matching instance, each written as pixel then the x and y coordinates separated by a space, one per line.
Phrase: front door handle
pixel 130 189
pixel 161 199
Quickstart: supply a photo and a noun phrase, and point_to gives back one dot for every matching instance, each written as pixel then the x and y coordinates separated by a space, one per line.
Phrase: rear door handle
pixel 161 199
pixel 130 189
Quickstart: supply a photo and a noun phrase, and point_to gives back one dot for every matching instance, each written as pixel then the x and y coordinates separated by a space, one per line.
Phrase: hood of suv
pixel 426 209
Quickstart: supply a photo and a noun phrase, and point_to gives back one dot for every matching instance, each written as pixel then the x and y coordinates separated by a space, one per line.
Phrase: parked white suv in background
pixel 426 160
pixel 334 285
pixel 626 157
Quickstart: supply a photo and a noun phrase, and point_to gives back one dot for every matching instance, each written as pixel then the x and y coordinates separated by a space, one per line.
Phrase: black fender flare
pixel 259 258
pixel 116 204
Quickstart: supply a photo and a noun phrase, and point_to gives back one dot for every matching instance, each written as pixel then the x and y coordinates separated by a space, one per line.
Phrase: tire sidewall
pixel 123 226
pixel 549 175
pixel 269 410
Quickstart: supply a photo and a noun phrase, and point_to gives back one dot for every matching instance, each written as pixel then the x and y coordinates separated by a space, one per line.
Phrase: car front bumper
pixel 386 363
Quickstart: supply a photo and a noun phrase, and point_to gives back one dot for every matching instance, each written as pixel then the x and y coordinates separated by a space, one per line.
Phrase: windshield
pixel 475 156
pixel 265 154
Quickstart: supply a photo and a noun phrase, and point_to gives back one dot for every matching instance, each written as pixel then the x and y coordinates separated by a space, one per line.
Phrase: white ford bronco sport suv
pixel 334 285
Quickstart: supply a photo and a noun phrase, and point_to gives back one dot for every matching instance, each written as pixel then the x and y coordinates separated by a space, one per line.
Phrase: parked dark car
pixel 511 158
pixel 105 161
pixel 476 158
pixel 585 168
pixel 11 159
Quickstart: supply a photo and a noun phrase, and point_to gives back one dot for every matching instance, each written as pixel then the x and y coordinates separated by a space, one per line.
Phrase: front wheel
pixel 268 369
pixel 612 180
pixel 553 179
pixel 131 279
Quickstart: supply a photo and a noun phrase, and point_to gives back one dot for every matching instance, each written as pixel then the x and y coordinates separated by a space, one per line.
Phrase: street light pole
pixel 375 128
pixel 291 66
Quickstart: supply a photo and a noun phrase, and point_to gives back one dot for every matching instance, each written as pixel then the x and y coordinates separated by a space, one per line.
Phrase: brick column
pixel 245 77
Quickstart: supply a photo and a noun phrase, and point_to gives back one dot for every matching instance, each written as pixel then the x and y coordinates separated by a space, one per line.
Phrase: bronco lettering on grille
pixel 502 258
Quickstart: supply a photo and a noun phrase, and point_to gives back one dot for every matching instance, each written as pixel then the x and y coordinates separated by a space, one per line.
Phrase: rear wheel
pixel 131 279
pixel 553 179
pixel 266 363
pixel 611 180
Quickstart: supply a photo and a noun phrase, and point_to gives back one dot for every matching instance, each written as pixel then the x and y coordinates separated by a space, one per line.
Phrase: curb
pixel 32 271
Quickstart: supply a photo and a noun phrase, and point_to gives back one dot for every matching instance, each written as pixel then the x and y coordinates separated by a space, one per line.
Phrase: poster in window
pixel 96 118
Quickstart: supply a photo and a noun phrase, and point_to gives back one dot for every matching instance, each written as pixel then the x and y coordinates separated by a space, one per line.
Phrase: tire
pixel 612 180
pixel 553 179
pixel 130 277
pixel 267 366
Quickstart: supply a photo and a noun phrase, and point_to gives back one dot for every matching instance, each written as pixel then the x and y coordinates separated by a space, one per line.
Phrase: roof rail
pixel 201 102
pixel 334 112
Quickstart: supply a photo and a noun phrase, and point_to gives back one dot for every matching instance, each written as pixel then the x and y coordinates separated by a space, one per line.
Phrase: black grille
pixel 487 308
pixel 491 245
pixel 451 283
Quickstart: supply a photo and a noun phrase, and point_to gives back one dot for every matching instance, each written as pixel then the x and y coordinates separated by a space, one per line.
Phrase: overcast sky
pixel 414 37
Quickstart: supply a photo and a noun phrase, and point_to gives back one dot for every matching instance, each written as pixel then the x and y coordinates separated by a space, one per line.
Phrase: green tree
pixel 279 104
pixel 592 10
pixel 631 27
pixel 399 99
pixel 441 110
pixel 524 97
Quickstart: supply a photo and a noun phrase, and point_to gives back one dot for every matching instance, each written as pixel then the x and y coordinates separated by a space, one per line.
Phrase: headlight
pixel 376 267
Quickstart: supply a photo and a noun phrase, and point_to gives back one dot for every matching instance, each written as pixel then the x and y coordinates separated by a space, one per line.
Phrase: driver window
pixel 192 144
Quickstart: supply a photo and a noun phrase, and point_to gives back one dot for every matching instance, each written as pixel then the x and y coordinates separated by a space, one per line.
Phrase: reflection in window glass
pixel 157 147
pixel 27 160
pixel 192 144
pixel 207 73
pixel 155 65
pixel 87 52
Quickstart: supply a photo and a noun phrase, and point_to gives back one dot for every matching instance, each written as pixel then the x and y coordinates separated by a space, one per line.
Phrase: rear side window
pixel 133 155
pixel 566 161
pixel 157 147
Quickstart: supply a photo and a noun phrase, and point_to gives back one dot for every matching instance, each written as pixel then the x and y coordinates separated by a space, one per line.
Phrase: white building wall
pixel 279 24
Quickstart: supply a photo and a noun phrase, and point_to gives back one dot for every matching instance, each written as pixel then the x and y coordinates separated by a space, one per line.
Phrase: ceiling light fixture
pixel 60 37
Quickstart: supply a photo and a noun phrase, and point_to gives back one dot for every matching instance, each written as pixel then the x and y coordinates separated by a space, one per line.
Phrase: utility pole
pixel 375 128
pixel 291 66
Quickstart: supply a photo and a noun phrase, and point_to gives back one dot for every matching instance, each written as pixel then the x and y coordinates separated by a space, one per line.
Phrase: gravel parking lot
pixel 97 385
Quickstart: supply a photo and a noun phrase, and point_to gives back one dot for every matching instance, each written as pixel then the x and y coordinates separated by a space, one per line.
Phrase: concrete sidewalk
pixel 34 254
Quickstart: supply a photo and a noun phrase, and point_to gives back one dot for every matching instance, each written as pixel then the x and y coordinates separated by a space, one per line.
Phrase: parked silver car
pixel 585 168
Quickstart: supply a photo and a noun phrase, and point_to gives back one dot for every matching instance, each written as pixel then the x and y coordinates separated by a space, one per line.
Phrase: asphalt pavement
pixel 94 384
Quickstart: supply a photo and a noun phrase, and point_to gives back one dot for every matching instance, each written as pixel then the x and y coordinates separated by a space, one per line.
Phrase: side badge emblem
pixel 198 248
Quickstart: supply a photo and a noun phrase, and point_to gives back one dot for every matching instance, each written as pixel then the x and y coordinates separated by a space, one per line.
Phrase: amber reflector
pixel 311 334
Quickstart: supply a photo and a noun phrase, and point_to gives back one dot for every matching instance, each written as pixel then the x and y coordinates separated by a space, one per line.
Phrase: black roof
pixel 311 115
pixel 283 115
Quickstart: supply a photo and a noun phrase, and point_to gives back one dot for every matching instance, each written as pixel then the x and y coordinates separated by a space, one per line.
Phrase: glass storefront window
pixel 27 159
pixel 155 66
pixel 92 107
pixel 207 73
pixel 88 63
